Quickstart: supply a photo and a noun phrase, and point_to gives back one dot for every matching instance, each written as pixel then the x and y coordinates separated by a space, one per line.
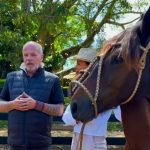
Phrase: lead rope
pixel 79 144
pixel 93 99
pixel 142 64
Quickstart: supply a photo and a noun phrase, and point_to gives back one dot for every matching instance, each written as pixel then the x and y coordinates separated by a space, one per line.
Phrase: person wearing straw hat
pixel 94 134
pixel 84 58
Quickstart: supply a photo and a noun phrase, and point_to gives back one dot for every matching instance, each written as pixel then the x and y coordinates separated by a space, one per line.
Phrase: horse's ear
pixel 145 28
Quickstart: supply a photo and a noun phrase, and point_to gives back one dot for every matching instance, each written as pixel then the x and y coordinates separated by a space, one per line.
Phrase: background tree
pixel 61 26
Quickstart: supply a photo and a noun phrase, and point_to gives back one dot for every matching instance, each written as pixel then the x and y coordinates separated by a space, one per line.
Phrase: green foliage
pixel 11 37
pixel 2 81
pixel 67 101
pixel 74 31
pixel 54 61
pixel 57 25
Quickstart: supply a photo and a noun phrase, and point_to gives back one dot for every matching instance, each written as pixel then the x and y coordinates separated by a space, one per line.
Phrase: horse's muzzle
pixel 81 112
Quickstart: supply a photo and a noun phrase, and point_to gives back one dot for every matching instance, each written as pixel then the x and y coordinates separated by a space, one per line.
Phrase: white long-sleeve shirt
pixel 96 127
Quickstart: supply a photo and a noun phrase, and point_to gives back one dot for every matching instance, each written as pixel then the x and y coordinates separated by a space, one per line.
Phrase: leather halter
pixel 92 98
pixel 142 63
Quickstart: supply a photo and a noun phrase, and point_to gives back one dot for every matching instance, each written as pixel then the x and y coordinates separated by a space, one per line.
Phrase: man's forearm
pixel 50 109
pixel 54 109
pixel 5 106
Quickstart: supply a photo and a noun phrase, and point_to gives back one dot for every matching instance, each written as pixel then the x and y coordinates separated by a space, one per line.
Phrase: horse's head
pixel 114 76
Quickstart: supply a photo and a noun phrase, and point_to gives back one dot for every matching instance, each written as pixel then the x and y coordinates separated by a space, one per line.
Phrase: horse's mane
pixel 129 43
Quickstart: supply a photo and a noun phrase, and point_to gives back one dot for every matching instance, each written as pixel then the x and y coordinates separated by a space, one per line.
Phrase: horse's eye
pixel 117 60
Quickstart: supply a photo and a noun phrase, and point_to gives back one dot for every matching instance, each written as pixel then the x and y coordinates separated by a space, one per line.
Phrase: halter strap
pixel 92 99
pixel 89 95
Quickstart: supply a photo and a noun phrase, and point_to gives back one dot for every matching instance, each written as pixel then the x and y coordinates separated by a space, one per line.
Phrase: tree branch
pixel 99 10
pixel 73 50
pixel 128 12
pixel 122 24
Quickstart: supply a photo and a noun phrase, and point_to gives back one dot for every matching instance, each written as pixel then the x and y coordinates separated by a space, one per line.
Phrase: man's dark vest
pixel 30 127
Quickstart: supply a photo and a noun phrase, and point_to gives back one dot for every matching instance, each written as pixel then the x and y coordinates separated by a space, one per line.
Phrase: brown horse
pixel 121 76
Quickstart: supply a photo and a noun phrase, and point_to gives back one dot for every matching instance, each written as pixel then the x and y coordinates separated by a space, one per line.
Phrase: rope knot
pixel 142 64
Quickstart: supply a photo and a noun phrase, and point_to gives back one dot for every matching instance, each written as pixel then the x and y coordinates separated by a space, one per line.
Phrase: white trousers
pixel 89 142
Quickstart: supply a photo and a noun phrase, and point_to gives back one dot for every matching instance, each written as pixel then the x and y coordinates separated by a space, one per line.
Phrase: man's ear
pixel 42 57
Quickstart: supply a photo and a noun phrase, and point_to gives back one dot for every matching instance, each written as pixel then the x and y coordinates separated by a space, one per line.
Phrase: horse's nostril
pixel 74 108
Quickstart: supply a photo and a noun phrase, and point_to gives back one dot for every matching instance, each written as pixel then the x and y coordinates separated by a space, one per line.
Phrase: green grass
pixel 112 126
pixel 3 124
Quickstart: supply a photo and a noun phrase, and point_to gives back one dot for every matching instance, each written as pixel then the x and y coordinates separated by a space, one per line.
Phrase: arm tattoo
pixel 53 109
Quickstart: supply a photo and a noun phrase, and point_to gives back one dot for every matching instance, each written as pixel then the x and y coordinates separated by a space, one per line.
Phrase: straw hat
pixel 86 54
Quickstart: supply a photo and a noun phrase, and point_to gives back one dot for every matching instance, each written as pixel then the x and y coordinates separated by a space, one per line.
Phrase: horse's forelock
pixel 135 38
pixel 131 48
pixel 128 43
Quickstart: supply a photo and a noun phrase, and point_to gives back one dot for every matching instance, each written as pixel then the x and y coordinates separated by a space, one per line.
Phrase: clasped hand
pixel 23 102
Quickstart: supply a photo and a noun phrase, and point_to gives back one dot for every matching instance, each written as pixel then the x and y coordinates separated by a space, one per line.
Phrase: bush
pixel 2 81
